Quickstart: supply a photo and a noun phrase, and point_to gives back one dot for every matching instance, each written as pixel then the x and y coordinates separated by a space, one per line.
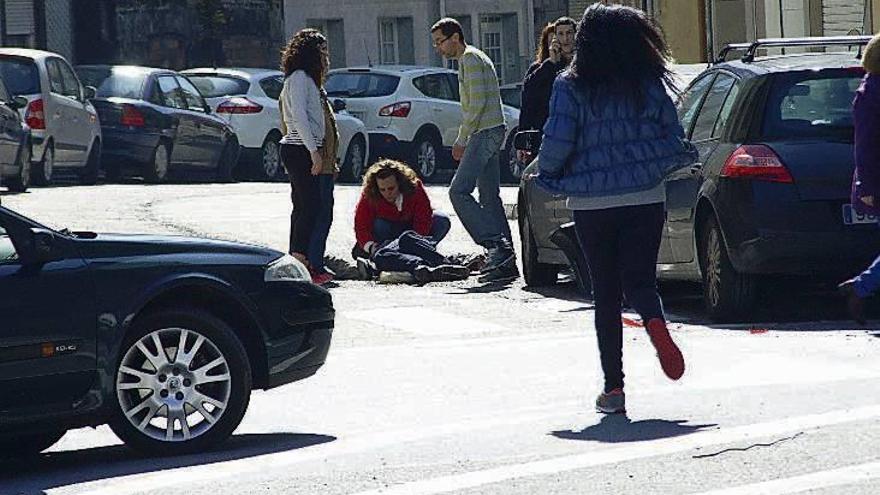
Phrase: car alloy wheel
pixel 271 159
pixel 158 170
pixel 713 268
pixel 43 173
pixel 427 159
pixel 173 384
pixel 355 159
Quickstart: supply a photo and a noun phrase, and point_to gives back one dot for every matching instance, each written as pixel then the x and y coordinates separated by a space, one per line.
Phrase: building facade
pixel 42 24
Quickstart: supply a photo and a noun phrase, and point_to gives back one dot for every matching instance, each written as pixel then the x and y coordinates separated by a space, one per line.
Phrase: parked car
pixel 155 122
pixel 511 94
pixel 65 133
pixel 412 113
pixel 163 338
pixel 15 143
pixel 770 192
pixel 248 100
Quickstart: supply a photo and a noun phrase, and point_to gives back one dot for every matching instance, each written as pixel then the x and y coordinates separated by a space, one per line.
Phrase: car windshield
pixel 213 86
pixel 20 76
pixel 812 104
pixel 361 85
pixel 120 82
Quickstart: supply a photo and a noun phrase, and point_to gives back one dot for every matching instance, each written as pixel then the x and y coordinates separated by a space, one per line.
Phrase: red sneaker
pixel 670 356
pixel 321 278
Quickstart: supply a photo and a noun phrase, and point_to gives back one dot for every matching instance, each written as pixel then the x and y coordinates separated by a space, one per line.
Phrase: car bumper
pixel 299 319
pixel 126 145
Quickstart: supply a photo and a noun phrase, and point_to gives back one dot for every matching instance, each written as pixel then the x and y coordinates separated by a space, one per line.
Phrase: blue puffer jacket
pixel 610 146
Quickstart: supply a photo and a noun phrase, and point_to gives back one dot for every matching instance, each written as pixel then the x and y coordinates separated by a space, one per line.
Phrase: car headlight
pixel 287 269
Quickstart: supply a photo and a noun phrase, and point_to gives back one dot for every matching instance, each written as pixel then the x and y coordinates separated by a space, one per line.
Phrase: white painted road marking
pixel 637 450
pixel 813 481
pixel 424 321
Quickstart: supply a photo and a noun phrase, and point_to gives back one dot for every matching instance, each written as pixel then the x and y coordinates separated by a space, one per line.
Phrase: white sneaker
pixel 396 278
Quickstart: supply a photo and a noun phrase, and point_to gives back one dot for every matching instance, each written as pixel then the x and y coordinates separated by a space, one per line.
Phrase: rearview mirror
pixel 339 105
pixel 18 102
pixel 89 92
pixel 529 141
pixel 44 247
pixel 799 90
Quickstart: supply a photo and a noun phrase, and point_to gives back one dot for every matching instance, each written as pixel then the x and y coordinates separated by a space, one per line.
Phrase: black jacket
pixel 536 91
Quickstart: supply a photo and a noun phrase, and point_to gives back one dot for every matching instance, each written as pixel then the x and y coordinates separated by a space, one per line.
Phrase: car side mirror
pixel 44 248
pixel 18 102
pixel 207 108
pixel 529 141
pixel 89 92
pixel 339 105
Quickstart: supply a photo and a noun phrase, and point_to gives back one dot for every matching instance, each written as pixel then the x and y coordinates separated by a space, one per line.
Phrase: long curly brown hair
pixel 407 180
pixel 303 52
pixel 543 51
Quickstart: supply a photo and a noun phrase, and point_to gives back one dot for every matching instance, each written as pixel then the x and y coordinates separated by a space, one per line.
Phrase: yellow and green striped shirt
pixel 480 96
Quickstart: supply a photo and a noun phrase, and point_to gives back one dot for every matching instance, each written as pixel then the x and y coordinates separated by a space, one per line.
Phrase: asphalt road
pixel 464 388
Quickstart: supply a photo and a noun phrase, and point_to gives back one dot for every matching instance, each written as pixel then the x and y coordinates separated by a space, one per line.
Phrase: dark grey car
pixel 15 146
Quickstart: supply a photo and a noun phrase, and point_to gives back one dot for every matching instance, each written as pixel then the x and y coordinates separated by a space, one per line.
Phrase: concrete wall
pixel 684 24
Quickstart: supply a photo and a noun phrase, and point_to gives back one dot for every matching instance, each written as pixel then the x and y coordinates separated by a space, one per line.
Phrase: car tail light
pixel 34 116
pixel 239 105
pixel 757 162
pixel 131 116
pixel 396 110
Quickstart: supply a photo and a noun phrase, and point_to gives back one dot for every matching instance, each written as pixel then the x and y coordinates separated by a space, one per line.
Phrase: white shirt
pixel 303 111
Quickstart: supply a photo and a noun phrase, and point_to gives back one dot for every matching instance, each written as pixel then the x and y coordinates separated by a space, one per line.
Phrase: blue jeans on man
pixel 402 250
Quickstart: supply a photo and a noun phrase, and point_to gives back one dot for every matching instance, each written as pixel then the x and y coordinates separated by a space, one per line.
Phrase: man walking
pixel 477 150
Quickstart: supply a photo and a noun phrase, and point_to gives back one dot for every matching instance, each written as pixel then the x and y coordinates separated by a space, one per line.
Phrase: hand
pixel 457 152
pixel 868 200
pixel 523 156
pixel 555 51
pixel 317 162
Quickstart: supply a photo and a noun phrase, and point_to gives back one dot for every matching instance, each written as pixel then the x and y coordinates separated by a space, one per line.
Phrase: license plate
pixel 852 217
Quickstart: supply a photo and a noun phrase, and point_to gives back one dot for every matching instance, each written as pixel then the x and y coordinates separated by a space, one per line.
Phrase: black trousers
pixel 407 252
pixel 621 246
pixel 304 195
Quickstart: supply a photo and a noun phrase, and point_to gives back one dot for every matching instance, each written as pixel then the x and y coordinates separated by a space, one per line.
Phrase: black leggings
pixel 303 194
pixel 621 246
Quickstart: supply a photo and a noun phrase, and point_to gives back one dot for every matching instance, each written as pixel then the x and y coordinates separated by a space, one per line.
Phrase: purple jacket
pixel 866 118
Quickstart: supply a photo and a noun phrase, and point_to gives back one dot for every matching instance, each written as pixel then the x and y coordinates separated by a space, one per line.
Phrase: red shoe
pixel 670 356
pixel 321 278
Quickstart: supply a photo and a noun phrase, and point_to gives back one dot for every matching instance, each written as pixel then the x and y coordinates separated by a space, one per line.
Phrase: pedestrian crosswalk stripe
pixel 813 481
pixel 424 321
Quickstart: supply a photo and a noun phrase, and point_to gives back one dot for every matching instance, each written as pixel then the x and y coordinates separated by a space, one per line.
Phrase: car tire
pixel 511 168
pixel 20 445
pixel 42 174
pixel 426 155
pixel 22 181
pixel 269 167
pixel 226 162
pixel 157 170
pixel 89 175
pixel 535 273
pixel 727 294
pixel 204 409
pixel 354 165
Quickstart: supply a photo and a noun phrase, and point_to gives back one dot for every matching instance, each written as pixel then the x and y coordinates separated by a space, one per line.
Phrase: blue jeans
pixel 323 220
pixel 485 220
pixel 408 252
pixel 867 283
pixel 385 230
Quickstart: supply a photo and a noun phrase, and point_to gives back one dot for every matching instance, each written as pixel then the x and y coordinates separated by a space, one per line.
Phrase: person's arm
pixel 423 214
pixel 560 131
pixel 297 104
pixel 867 142
pixel 527 101
pixel 364 216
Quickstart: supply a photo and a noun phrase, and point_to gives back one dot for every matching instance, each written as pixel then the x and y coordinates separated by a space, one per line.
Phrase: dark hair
pixel 449 26
pixel 303 52
pixel 407 180
pixel 543 51
pixel 618 49
pixel 565 21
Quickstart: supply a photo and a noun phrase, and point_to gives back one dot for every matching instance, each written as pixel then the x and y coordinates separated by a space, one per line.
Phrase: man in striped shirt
pixel 477 149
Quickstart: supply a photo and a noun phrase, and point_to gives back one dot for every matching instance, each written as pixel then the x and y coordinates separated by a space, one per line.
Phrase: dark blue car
pixel 155 122
pixel 161 337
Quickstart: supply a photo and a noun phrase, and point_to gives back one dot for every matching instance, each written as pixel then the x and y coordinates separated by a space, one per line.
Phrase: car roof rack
pixel 752 48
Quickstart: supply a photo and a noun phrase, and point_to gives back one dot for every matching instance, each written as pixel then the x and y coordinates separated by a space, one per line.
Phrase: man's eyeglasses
pixel 438 43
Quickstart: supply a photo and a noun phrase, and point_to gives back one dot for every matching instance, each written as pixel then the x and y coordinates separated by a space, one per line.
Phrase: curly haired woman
pixel 304 62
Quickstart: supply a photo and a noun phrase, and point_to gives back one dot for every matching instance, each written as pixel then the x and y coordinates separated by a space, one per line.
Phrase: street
pixel 464 388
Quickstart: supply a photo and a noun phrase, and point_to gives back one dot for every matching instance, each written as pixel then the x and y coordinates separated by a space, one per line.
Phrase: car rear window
pixel 20 75
pixel 358 85
pixel 120 82
pixel 214 86
pixel 812 104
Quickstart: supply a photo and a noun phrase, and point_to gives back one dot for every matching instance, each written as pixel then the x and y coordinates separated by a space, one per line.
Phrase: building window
pixel 387 41
pixel 334 30
pixel 492 42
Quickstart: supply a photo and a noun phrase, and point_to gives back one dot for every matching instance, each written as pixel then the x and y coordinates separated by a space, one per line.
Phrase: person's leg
pixel 318 242
pixel 390 258
pixel 482 228
pixel 598 238
pixel 386 230
pixel 489 183
pixel 297 161
pixel 867 282
pixel 422 248
pixel 440 225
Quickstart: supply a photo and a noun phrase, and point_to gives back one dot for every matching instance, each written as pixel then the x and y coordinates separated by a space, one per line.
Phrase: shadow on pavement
pixel 618 428
pixel 59 469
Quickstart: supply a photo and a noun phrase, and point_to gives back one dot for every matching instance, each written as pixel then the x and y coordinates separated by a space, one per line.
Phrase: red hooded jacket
pixel 416 212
